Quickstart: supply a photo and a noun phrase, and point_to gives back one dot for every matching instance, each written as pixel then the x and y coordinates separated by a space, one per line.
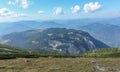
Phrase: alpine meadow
pixel 59 35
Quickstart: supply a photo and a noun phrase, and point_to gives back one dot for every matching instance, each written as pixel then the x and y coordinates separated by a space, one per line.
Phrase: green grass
pixel 103 53
pixel 9 52
pixel 25 61
pixel 5 49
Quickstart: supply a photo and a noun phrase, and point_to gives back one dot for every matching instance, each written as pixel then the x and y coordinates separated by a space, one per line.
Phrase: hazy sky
pixel 13 10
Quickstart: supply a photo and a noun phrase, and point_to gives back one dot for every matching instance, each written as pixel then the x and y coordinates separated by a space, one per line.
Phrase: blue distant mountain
pixel 106 30
pixel 6 28
pixel 109 34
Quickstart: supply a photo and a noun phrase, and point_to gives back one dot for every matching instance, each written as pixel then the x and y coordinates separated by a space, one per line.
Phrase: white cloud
pixel 13 3
pixel 59 11
pixel 4 12
pixel 92 7
pixel 23 3
pixel 75 9
pixel 40 12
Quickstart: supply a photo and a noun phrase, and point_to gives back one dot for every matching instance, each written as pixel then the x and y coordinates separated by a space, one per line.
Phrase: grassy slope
pixel 113 52
pixel 5 49
pixel 10 52
pixel 14 52
pixel 50 64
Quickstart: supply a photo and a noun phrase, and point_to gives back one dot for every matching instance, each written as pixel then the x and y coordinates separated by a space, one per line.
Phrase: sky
pixel 15 10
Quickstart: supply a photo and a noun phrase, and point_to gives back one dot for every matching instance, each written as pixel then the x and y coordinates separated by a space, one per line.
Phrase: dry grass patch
pixel 60 65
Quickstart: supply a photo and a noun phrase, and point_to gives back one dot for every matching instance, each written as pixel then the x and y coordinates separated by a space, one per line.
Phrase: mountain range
pixel 109 34
pixel 105 30
pixel 54 40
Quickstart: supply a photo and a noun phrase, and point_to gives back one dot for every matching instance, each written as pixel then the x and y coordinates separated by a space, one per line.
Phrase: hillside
pixel 5 49
pixel 103 53
pixel 54 40
pixel 109 34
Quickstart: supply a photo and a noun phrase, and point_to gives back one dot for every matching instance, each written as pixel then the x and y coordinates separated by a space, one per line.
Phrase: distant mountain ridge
pixel 109 34
pixel 54 40
pixel 108 29
pixel 9 27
